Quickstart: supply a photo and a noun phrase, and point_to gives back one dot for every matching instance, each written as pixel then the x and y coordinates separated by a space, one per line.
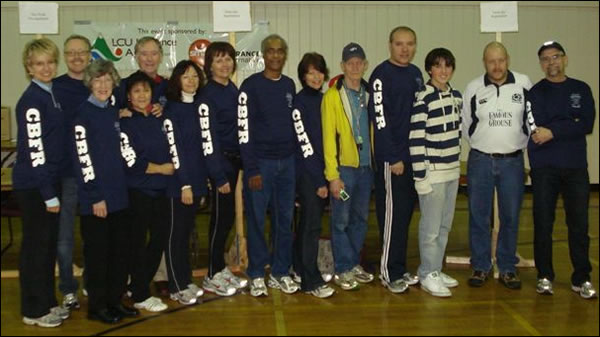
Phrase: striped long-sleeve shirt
pixel 435 137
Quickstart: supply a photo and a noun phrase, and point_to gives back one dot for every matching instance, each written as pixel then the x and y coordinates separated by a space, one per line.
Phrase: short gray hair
pixel 143 41
pixel 99 68
pixel 265 41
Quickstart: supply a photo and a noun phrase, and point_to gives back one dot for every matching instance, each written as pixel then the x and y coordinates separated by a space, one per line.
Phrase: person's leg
pixel 359 211
pixel 546 185
pixel 95 233
pixel 511 186
pixel 340 218
pixel 480 187
pixel 432 210
pixel 221 221
pixel 309 231
pixel 36 263
pixel 576 198
pixel 68 204
pixel 283 207
pixel 256 203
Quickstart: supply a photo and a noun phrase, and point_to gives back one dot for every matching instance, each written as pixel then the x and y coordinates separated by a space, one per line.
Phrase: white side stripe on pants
pixel 387 228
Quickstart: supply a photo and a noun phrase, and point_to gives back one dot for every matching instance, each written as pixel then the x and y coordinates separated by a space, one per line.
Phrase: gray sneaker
pixel 410 279
pixel 285 283
pixel 323 291
pixel 361 275
pixel 48 321
pixel 298 279
pixel 218 285
pixel 397 287
pixel 258 287
pixel 61 312
pixel 585 290
pixel 236 281
pixel 195 289
pixel 70 302
pixel 346 281
pixel 544 287
pixel 185 297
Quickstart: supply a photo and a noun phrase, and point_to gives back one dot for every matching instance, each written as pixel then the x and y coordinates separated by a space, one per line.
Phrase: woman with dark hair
pixel 311 184
pixel 148 166
pixel 189 182
pixel 103 197
pixel 218 120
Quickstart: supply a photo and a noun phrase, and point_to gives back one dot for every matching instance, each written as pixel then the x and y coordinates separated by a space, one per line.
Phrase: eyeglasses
pixel 72 53
pixel 548 59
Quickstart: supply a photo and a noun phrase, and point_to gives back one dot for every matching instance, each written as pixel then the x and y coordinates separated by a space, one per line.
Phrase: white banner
pixel 180 41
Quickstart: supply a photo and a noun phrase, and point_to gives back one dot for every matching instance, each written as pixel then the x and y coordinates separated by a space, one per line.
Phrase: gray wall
pixel 326 27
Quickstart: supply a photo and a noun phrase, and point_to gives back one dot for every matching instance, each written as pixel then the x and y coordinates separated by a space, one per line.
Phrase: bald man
pixel 495 126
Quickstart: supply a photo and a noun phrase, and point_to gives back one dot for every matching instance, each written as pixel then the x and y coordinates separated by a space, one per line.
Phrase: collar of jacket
pixel 510 78
pixel 340 83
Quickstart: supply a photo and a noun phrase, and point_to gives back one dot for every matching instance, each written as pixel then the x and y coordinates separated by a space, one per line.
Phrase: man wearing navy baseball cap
pixel 551 44
pixel 347 153
pixel 563 112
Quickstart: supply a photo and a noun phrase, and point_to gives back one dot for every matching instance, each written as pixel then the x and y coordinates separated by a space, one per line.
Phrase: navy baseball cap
pixel 353 50
pixel 551 44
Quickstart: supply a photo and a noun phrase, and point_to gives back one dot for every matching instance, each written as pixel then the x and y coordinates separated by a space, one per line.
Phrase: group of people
pixel 137 155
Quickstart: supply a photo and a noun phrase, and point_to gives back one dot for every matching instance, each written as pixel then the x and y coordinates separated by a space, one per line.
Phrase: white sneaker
pixel 448 281
pixel 60 312
pixel 236 281
pixel 153 304
pixel 285 283
pixel 434 285
pixel 361 275
pixel 296 277
pixel 195 289
pixel 346 281
pixel 47 321
pixel 397 287
pixel 586 290
pixel 218 285
pixel 258 287
pixel 323 291
pixel 185 297
pixel 70 302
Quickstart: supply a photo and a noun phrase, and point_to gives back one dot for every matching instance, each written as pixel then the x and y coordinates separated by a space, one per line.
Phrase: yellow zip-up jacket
pixel 339 147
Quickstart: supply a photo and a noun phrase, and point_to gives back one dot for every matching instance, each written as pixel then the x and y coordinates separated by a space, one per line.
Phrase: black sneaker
pixel 478 278
pixel 510 280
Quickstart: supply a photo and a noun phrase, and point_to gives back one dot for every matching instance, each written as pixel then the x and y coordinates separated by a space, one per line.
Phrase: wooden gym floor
pixel 490 310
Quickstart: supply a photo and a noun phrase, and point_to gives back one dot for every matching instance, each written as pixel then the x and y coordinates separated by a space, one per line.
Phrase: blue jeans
pixel 68 204
pixel 484 173
pixel 437 213
pixel 278 190
pixel 349 218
